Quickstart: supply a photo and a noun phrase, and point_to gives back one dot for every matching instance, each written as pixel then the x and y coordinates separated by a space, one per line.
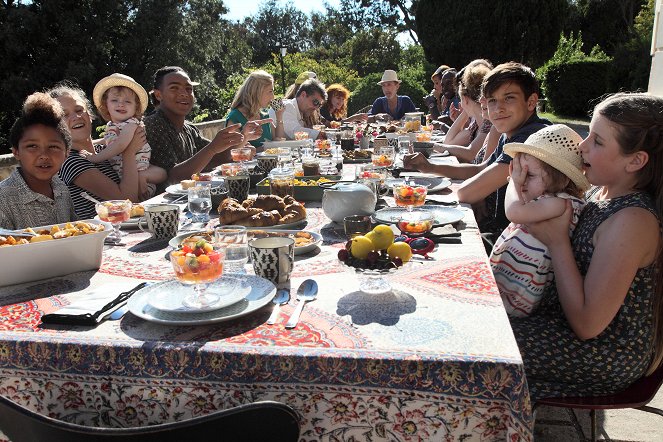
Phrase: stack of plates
pixel 240 295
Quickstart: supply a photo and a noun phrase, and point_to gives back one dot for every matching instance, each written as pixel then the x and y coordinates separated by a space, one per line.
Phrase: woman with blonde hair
pixel 251 102
pixel 336 106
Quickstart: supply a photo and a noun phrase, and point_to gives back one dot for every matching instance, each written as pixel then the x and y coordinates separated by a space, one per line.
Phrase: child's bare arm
pixel 520 211
pixel 116 142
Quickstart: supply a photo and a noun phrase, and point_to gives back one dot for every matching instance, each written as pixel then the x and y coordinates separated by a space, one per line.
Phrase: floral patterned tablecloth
pixel 435 359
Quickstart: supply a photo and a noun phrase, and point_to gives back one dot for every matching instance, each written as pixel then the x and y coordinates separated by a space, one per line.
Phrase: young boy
pixel 33 195
pixel 511 90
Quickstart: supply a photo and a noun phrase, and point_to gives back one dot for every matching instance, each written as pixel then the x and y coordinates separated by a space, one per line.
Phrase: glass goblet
pixel 198 264
pixel 410 194
pixel 114 212
pixel 383 156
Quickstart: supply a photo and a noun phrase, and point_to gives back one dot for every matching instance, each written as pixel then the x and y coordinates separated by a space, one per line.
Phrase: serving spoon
pixel 282 297
pixel 9 232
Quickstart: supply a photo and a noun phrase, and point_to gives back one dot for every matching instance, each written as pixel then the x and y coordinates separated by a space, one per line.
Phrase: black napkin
pixel 81 313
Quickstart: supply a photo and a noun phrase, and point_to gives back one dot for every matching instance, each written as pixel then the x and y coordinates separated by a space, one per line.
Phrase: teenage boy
pixel 177 145
pixel 511 91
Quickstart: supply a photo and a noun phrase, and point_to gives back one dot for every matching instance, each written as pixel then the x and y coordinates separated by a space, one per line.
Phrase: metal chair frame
pixel 636 396
pixel 257 421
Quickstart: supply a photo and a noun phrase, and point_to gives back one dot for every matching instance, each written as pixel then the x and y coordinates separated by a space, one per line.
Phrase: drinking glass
pixel 410 194
pixel 114 212
pixel 200 203
pixel 383 156
pixel 198 270
pixel 233 239
pixel 404 145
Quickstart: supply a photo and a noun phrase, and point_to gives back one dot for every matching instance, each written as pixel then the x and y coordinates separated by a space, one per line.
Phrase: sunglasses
pixel 317 103
pixel 420 246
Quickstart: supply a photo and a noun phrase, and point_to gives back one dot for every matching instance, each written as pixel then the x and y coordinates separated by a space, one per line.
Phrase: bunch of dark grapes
pixel 374 260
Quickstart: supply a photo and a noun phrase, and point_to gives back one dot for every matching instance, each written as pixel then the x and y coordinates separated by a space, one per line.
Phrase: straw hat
pixel 305 76
pixel 389 75
pixel 556 145
pixel 119 80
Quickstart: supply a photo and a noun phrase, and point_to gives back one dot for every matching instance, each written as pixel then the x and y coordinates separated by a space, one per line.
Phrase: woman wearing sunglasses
pixel 298 111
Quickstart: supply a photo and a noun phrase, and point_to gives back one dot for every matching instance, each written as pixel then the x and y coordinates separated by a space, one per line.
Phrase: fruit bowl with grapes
pixel 374 257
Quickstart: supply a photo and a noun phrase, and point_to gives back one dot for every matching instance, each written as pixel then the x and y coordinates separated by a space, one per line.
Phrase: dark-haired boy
pixel 511 91
pixel 177 145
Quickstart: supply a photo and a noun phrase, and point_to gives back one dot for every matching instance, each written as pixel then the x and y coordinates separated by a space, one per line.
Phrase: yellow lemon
pixel 361 246
pixel 381 236
pixel 400 250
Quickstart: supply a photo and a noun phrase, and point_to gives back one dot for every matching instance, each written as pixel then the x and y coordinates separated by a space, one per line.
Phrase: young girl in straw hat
pixel 122 102
pixel 546 171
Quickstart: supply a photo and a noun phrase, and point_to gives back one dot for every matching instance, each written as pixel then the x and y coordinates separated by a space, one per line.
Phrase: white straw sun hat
pixel 119 80
pixel 389 75
pixel 556 145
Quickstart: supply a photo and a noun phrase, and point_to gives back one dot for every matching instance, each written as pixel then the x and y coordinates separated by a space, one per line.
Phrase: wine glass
pixel 383 157
pixel 410 194
pixel 198 262
pixel 241 155
pixel 114 212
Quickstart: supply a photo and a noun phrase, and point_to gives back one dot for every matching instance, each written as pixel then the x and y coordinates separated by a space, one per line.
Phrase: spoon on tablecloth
pixel 305 293
pixel 282 297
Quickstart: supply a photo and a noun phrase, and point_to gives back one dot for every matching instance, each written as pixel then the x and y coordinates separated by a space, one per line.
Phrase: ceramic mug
pixel 218 192
pixel 162 220
pixel 238 187
pixel 273 258
pixel 267 163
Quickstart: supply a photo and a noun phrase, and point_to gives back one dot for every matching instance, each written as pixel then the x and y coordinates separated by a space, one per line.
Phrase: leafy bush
pixel 574 88
pixel 571 80
pixel 368 90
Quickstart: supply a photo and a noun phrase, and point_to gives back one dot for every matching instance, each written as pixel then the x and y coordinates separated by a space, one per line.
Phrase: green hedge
pixel 573 88
pixel 368 90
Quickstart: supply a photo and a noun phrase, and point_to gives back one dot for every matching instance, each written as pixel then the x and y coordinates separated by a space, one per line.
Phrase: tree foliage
pixel 520 30
pixel 44 42
pixel 277 26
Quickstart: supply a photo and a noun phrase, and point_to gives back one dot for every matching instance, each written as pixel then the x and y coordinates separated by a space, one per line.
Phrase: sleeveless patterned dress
pixel 559 364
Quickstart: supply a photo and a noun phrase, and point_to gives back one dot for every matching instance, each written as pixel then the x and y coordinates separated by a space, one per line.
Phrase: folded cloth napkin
pixel 94 306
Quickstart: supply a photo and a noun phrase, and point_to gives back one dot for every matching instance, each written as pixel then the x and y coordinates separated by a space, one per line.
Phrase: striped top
pixel 522 265
pixel 75 165
pixel 21 207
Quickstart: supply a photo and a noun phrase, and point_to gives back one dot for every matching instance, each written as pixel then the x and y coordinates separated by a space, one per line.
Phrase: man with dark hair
pixel 310 96
pixel 177 145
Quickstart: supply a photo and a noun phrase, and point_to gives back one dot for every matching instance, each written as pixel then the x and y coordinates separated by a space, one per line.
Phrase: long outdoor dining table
pixel 435 359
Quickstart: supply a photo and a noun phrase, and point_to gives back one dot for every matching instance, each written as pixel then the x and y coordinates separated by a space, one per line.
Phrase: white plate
pixel 170 295
pixel 262 292
pixel 434 183
pixel 317 238
pixel 286 143
pixel 176 189
pixel 443 215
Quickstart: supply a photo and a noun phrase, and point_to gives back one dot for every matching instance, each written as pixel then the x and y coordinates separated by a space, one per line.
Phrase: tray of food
pixel 306 188
pixel 357 156
pixel 263 211
pixel 55 250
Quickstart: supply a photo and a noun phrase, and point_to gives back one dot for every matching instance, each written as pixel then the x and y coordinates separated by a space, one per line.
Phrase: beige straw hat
pixel 556 145
pixel 119 80
pixel 389 75
pixel 305 76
